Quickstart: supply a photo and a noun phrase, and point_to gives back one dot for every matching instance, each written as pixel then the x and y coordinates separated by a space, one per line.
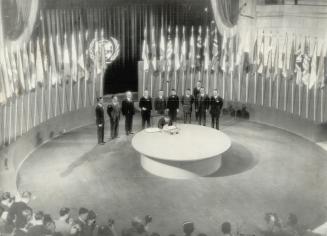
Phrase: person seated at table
pixel 163 121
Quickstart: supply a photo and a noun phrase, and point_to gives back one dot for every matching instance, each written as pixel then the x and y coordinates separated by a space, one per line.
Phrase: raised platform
pixel 195 151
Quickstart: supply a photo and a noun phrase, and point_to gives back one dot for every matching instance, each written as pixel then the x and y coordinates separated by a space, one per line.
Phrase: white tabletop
pixel 194 142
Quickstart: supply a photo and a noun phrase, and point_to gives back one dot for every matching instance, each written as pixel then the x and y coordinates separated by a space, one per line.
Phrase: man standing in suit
pixel 128 111
pixel 173 106
pixel 145 105
pixel 196 93
pixel 187 103
pixel 113 111
pixel 99 113
pixel 216 104
pixel 160 103
pixel 203 106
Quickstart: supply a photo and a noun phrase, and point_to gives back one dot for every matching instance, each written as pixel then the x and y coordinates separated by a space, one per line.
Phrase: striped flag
pixel 81 62
pixel 14 70
pixel 261 55
pixel 59 59
pixel 26 67
pixel 191 55
pixel 31 57
pixel 6 79
pixel 177 63
pixel 20 70
pixel 162 47
pixel 291 60
pixel 223 63
pixel 145 52
pixel 283 58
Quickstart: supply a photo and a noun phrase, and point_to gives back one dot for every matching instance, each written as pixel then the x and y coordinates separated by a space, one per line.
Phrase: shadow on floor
pixel 236 160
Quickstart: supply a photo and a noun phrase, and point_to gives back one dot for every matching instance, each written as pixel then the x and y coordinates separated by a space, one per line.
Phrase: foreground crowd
pixel 17 218
pixel 199 102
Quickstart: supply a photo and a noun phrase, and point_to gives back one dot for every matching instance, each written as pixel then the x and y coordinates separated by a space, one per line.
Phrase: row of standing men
pixel 201 102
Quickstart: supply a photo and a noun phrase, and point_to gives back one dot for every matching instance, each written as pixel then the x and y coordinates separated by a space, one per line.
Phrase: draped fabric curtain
pixel 226 14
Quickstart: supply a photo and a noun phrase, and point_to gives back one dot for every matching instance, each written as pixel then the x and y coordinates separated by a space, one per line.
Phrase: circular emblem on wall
pixel 104 51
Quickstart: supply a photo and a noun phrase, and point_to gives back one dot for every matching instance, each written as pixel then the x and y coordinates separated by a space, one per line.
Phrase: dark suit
pixel 203 106
pixel 187 103
pixel 83 225
pixel 99 113
pixel 145 105
pixel 173 105
pixel 114 115
pixel 216 104
pixel 160 105
pixel 128 110
pixel 15 214
pixel 196 93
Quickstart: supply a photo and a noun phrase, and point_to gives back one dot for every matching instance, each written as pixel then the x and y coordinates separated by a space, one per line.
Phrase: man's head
pixel 91 217
pixel 39 216
pixel 226 228
pixel 26 196
pixel 173 92
pixel 99 99
pixel 114 99
pixel 215 92
pixel 64 213
pixel 83 213
pixel 49 223
pixel 129 94
pixel 188 227
pixel 138 225
pixel 202 90
pixel 198 84
pixel 28 214
pixel 161 93
pixel 146 93
pixel 188 92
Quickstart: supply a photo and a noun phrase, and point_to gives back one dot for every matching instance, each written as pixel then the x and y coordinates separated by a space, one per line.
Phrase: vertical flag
pixel 183 51
pixel 215 51
pixel 31 56
pixel 59 58
pixel 169 51
pixel 81 62
pixel 162 50
pixel 224 53
pixel 74 61
pixel 153 51
pixel 177 63
pixel 39 64
pixel 313 73
pixel 198 62
pixel 283 58
pixel 13 65
pixel 20 70
pixel 6 79
pixel 145 52
pixel 299 63
pixel 66 61
pixel 276 59
pixel 206 52
pixel 291 60
pixel 321 68
pixel 192 50
pixel 232 50
pixel 53 72
pixel 269 60
pixel 261 55
pixel 306 63
pixel 255 54
pixel 26 67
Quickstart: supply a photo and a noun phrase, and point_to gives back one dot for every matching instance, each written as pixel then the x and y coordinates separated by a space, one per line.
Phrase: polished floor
pixel 265 170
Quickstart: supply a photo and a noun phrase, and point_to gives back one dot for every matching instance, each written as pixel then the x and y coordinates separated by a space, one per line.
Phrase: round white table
pixel 195 151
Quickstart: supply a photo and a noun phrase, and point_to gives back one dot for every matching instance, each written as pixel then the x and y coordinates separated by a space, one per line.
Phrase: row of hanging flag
pixel 57 60
pixel 271 56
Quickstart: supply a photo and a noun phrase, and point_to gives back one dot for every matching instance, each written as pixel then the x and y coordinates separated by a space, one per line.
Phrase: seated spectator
pixel 90 223
pixel 226 229
pixel 28 214
pixel 38 228
pixel 15 216
pixel 103 230
pixel 6 201
pixel 164 121
pixel 82 221
pixel 138 228
pixel 188 228
pixel 292 228
pixel 62 224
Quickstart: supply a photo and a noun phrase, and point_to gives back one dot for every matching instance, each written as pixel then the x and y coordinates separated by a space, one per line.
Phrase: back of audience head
pixel 188 228
pixel 226 228
pixel 83 213
pixel 49 223
pixel 64 213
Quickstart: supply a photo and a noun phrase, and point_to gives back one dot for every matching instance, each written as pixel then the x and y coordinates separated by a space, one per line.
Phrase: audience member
pixel 82 221
pixel 62 223
pixel 188 228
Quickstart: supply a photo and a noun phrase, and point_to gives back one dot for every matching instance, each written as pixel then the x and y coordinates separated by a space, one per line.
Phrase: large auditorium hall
pixel 163 118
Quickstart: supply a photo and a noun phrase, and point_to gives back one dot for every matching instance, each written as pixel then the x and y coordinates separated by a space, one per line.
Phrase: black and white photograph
pixel 163 118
